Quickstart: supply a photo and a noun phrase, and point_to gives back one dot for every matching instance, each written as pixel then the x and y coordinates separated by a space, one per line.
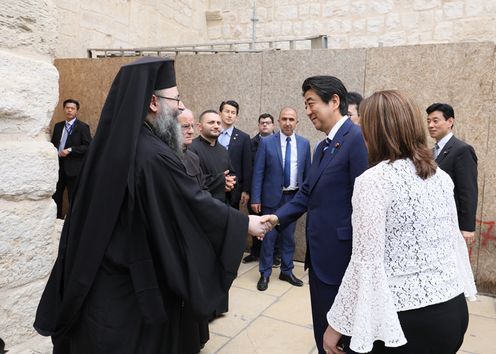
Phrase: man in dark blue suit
pixel 237 144
pixel 265 128
pixel 281 165
pixel 326 194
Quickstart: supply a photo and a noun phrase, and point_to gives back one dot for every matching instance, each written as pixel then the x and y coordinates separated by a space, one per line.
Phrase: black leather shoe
pixel 263 283
pixel 250 258
pixel 291 279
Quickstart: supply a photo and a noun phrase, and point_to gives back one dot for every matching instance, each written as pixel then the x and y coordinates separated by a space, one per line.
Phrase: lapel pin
pixel 336 146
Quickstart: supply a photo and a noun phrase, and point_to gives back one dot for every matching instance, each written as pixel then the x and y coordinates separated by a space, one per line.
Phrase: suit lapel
pixel 57 131
pixel 300 156
pixel 234 138
pixel 277 144
pixel 332 151
pixel 446 149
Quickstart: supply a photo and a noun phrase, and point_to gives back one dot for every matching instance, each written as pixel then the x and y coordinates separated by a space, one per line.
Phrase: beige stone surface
pixel 127 24
pixel 244 307
pixel 215 343
pixel 484 306
pixel 293 306
pixel 29 92
pixel 26 252
pixel 479 338
pixel 285 326
pixel 29 168
pixel 17 310
pixel 283 337
pixel 28 25
pixel 29 164
pixel 375 23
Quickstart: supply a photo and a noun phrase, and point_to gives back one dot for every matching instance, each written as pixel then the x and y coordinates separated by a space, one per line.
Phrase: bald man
pixel 281 165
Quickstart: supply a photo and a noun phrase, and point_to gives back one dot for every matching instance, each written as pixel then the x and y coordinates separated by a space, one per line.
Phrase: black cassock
pixel 171 259
pixel 214 160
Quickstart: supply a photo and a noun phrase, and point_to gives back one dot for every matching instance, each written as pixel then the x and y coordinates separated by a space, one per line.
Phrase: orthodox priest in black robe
pixel 141 240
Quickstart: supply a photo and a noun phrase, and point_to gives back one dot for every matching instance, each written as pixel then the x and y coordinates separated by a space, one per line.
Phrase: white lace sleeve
pixel 462 259
pixel 364 308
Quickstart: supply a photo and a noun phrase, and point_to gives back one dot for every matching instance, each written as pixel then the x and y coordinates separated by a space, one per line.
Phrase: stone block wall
pixel 29 164
pixel 84 24
pixel 357 23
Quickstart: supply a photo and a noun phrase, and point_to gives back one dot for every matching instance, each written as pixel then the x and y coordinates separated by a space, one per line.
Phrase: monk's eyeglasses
pixel 177 99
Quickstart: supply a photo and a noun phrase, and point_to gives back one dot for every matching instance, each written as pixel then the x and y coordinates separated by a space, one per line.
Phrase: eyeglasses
pixel 187 126
pixel 177 99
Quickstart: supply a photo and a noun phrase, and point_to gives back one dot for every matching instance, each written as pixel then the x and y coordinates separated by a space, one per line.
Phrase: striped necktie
pixel 435 151
pixel 325 147
pixel 65 133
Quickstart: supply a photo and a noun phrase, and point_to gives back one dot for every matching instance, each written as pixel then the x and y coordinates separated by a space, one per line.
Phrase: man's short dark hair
pixel 265 115
pixel 325 87
pixel 445 108
pixel 206 112
pixel 71 100
pixel 354 98
pixel 230 103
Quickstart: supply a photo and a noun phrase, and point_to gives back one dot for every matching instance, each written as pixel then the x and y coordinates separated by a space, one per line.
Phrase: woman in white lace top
pixel 403 291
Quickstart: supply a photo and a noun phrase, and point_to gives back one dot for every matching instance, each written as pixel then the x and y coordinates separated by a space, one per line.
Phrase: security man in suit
pixel 281 165
pixel 326 194
pixel 237 144
pixel 72 138
pixel 457 159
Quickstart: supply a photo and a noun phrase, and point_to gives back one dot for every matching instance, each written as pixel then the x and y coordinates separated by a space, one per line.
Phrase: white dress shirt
pixel 441 143
pixel 293 177
pixel 225 136
pixel 336 127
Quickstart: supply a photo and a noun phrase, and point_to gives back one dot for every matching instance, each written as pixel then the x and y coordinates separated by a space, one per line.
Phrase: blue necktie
pixel 435 151
pixel 287 163
pixel 325 147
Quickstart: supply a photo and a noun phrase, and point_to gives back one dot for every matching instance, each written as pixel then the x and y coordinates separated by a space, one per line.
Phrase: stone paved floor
pixel 278 320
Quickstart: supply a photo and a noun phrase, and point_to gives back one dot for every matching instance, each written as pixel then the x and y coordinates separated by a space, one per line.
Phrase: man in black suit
pixel 71 138
pixel 457 159
pixel 237 143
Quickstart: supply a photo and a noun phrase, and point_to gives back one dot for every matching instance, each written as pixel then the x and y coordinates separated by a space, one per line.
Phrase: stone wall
pixel 84 24
pixel 28 175
pixel 460 74
pixel 357 23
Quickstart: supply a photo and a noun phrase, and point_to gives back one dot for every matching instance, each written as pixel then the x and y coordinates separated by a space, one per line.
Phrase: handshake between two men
pixel 258 226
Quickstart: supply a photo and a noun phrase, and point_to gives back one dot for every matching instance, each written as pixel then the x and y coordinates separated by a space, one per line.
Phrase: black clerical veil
pixel 107 185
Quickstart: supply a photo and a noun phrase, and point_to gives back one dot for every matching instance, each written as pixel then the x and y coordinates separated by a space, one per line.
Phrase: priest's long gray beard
pixel 167 128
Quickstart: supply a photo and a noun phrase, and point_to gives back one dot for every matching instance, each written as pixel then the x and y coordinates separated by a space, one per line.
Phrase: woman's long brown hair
pixel 394 129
